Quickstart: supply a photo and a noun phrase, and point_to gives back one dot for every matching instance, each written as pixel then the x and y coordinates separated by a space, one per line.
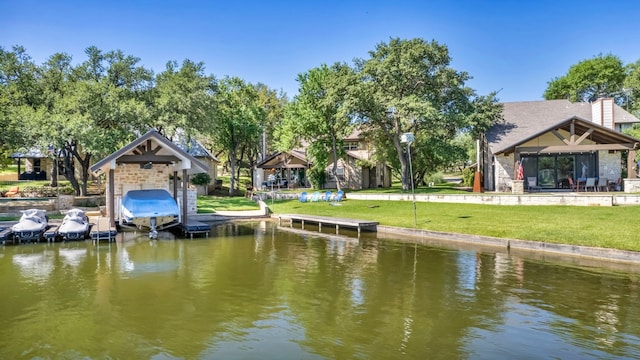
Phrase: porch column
pixel 111 199
pixel 632 171
pixel 185 203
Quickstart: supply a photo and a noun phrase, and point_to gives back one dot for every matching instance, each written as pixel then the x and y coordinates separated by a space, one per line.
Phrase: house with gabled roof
pixel 555 140
pixel 194 148
pixel 356 170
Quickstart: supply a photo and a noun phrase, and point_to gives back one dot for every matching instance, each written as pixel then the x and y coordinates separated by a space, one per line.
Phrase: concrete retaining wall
pixel 592 253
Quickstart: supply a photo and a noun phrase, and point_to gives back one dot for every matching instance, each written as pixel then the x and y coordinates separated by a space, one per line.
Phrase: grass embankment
pixel 209 204
pixel 608 227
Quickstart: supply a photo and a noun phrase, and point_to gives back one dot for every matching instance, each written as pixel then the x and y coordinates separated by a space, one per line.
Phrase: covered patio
pixel 282 170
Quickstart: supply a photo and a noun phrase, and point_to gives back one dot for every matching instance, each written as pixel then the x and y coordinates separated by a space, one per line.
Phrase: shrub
pixel 468 175
pixel 437 178
pixel 201 179
pixel 316 177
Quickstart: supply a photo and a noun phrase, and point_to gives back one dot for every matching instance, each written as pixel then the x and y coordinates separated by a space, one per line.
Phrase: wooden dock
pixel 195 227
pixel 102 229
pixel 327 220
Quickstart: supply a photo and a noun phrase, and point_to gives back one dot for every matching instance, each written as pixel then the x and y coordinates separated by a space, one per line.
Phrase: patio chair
pixel 572 185
pixel 14 191
pixel 616 185
pixel 315 197
pixel 532 182
pixel 303 197
pixel 327 196
pixel 590 183
pixel 603 184
pixel 339 196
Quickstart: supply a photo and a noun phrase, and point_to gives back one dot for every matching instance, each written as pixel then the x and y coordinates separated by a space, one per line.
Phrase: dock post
pixel 337 228
pixel 302 224
pixel 319 227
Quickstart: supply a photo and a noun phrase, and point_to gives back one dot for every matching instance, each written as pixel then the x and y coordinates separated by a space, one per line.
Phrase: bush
pixel 316 177
pixel 468 175
pixel 437 178
pixel 201 179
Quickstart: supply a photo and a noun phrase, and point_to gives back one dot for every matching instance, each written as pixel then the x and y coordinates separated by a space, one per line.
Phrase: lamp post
pixel 408 138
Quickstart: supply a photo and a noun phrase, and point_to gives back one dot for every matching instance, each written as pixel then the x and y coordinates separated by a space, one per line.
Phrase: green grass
pixel 211 204
pixel 608 227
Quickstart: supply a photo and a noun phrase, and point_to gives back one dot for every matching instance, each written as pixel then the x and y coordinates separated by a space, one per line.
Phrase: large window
pixel 552 171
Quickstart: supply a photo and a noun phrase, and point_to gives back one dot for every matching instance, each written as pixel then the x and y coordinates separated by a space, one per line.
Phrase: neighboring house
pixel 358 171
pixel 198 151
pixel 33 165
pixel 355 171
pixel 556 140
pixel 282 169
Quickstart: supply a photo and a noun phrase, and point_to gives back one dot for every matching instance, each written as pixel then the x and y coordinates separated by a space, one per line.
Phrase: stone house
pixel 356 170
pixel 555 140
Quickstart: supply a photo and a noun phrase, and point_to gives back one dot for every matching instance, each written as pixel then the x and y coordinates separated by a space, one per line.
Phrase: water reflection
pixel 252 291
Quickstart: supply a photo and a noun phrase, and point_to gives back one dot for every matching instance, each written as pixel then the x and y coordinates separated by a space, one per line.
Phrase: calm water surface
pixel 254 292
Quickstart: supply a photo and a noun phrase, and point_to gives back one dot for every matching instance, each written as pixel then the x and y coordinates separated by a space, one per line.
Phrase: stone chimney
pixel 602 112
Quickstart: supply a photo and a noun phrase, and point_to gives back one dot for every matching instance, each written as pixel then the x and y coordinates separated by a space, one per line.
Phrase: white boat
pixel 153 209
pixel 31 226
pixel 74 226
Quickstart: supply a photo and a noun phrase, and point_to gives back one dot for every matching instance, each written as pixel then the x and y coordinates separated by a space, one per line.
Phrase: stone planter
pixel 517 187
pixel 202 190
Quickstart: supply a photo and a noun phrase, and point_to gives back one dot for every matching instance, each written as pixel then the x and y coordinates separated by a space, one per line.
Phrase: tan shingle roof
pixel 528 119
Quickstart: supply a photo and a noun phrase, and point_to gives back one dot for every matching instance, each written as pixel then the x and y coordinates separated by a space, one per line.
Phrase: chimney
pixel 602 112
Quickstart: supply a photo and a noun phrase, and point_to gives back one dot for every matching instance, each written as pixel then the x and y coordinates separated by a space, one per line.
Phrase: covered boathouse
pixel 150 162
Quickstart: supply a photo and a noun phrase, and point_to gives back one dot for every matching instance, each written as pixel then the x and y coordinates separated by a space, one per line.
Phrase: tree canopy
pixel 408 86
pixel 601 76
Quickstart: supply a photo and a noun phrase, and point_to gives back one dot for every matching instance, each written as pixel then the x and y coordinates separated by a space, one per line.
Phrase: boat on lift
pixel 153 209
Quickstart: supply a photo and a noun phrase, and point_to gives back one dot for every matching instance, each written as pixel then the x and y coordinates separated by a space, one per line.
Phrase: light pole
pixel 408 138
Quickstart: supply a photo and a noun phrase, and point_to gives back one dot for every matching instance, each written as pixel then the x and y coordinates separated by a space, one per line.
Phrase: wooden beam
pixel 148 157
pixel 559 136
pixel 584 136
pixel 572 132
pixel 556 149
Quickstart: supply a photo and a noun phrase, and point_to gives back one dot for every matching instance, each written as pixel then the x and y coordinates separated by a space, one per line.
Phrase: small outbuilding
pixel 150 162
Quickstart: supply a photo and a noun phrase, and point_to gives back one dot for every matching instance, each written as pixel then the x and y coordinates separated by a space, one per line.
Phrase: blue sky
pixel 512 46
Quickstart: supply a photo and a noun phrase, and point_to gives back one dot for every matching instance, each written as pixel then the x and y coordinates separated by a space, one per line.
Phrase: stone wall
pixel 132 177
pixel 610 165
pixel 504 168
pixel 192 197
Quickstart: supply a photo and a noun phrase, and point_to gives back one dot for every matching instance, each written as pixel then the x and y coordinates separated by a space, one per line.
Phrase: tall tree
pixel 19 98
pixel 183 98
pixel 320 115
pixel 408 86
pixel 97 111
pixel 631 88
pixel 234 120
pixel 601 76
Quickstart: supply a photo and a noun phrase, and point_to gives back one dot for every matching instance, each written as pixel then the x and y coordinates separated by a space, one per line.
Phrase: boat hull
pixel 152 209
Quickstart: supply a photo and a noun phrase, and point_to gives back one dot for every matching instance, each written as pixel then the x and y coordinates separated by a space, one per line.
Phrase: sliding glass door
pixel 552 171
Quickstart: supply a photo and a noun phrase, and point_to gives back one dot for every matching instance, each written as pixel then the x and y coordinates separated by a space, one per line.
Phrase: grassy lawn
pixel 609 227
pixel 209 204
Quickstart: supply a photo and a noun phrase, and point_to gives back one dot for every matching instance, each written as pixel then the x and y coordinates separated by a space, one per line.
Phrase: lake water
pixel 251 291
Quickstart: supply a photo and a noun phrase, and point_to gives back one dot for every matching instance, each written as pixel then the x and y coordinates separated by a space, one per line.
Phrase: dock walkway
pixel 337 222
pixel 101 229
